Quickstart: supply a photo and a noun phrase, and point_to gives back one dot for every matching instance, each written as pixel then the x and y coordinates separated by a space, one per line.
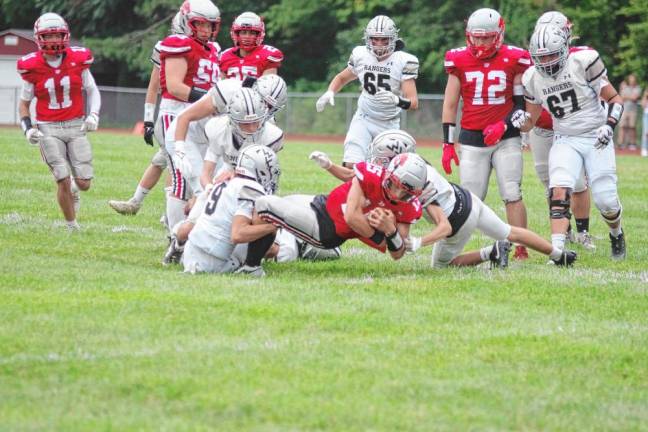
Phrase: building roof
pixel 29 35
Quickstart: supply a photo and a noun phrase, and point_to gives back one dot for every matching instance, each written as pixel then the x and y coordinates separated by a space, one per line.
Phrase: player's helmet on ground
pixel 51 23
pixel 248 21
pixel 388 144
pixel 381 27
pixel 406 175
pixel 549 49
pixel 558 19
pixel 260 163
pixel 194 11
pixel 484 23
pixel 273 90
pixel 247 112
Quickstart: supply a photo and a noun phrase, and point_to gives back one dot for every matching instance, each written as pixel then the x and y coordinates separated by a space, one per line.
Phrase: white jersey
pixel 221 93
pixel 387 74
pixel 438 191
pixel 213 230
pixel 223 144
pixel 573 97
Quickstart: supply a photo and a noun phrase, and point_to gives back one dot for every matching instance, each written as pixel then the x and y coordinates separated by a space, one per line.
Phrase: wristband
pixel 377 237
pixel 394 242
pixel 404 103
pixel 195 94
pixel 615 110
pixel 25 124
pixel 249 81
pixel 448 133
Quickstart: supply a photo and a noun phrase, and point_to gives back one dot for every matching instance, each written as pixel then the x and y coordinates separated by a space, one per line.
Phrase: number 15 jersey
pixel 374 75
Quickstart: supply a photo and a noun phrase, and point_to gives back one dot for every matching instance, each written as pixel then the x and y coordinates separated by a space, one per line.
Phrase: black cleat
pixel 618 247
pixel 566 259
pixel 174 252
pixel 499 255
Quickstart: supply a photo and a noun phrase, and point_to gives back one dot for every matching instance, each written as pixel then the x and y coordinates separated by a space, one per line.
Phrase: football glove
pixel 326 98
pixel 412 244
pixel 494 133
pixel 603 136
pixel 449 155
pixel 91 123
pixel 387 98
pixel 34 136
pixel 149 130
pixel 321 159
pixel 519 117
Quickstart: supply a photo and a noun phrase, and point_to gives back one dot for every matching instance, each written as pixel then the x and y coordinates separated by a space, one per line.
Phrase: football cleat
pixel 255 271
pixel 566 259
pixel 618 247
pixel 311 253
pixel 585 239
pixel 129 207
pixel 173 253
pixel 499 255
pixel 520 253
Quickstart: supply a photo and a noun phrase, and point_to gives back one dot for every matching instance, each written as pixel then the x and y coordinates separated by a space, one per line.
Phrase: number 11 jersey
pixel 374 75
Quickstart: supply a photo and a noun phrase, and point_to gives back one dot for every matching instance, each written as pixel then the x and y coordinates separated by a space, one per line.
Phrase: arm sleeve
pixel 94 97
pixel 27 91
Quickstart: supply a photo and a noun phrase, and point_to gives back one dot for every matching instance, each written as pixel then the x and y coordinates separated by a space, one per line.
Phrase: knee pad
pixel 606 199
pixel 512 192
pixel 559 208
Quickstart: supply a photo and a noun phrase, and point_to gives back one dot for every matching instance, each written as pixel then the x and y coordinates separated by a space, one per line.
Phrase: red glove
pixel 494 133
pixel 449 155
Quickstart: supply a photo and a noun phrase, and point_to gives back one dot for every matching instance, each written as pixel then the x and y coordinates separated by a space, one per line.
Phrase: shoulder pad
pixel 251 190
pixel 222 92
pixel 273 54
pixel 591 64
pixel 26 63
pixel 410 65
pixel 226 52
pixel 451 60
pixel 215 46
pixel 175 44
pixel 82 55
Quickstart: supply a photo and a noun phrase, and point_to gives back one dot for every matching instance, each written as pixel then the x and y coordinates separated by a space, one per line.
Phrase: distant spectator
pixel 630 93
pixel 644 129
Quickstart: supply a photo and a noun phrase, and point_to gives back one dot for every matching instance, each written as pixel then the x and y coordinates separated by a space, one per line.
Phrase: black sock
pixel 257 250
pixel 582 225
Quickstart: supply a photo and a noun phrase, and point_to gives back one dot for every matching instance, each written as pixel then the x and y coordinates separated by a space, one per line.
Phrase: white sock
pixel 140 194
pixel 72 224
pixel 484 253
pixel 555 253
pixel 616 232
pixel 175 211
pixel 558 241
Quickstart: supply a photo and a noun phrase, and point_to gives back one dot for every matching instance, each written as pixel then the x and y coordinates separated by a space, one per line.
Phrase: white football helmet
pixel 175 24
pixel 273 90
pixel 260 163
pixel 194 11
pixel 247 112
pixel 549 49
pixel 558 19
pixel 381 27
pixel 408 173
pixel 388 144
pixel 248 21
pixel 484 23
pixel 51 23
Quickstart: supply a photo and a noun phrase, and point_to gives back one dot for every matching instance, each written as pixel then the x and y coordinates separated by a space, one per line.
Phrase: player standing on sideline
pixel 55 76
pixel 159 161
pixel 570 86
pixel 487 75
pixel 248 56
pixel 541 138
pixel 387 75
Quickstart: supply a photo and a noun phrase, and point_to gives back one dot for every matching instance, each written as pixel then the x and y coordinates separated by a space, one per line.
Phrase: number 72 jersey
pixel 572 97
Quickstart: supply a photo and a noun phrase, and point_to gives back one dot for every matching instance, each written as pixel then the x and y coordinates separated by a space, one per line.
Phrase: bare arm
pixel 342 173
pixel 196 111
pixel 175 70
pixel 270 71
pixel 341 79
pixel 244 232
pixel 153 86
pixel 610 95
pixel 354 216
pixel 23 108
pixel 207 173
pixel 408 88
pixel 451 100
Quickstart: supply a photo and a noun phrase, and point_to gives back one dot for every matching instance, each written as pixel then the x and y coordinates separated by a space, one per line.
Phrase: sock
pixel 257 250
pixel 555 253
pixel 558 241
pixel 484 253
pixel 175 210
pixel 582 225
pixel 140 194
pixel 72 224
pixel 616 232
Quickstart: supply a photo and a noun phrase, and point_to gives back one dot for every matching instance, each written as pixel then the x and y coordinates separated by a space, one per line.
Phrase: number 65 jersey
pixel 386 74
pixel 572 97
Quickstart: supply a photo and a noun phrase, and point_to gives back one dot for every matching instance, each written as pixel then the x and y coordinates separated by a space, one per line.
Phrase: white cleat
pixel 72 228
pixel 585 239
pixel 129 207
pixel 247 270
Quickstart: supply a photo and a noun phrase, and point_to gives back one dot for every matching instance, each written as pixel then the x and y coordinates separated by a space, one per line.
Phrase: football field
pixel 96 335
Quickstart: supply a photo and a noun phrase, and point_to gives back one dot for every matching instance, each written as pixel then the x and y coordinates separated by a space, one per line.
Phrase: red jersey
pixel 202 62
pixel 486 84
pixel 254 64
pixel 370 178
pixel 58 90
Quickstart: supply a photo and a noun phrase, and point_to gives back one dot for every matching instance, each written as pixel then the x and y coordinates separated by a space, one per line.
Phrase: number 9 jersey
pixel 374 75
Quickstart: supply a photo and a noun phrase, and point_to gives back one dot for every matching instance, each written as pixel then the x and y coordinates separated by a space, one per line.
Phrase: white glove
pixel 519 117
pixel 34 136
pixel 603 136
pixel 91 123
pixel 181 161
pixel 326 98
pixel 321 159
pixel 412 244
pixel 385 97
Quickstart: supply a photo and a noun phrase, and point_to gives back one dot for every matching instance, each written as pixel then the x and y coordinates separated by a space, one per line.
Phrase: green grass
pixel 96 335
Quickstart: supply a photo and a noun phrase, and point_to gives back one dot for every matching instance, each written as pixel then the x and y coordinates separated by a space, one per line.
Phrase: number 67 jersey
pixel 572 97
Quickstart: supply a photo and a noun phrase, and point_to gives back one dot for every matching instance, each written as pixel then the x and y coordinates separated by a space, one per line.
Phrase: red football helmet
pixel 484 23
pixel 51 23
pixel 195 11
pixel 248 21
